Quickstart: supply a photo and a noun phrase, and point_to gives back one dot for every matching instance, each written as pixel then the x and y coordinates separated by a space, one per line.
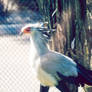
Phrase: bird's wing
pixel 54 63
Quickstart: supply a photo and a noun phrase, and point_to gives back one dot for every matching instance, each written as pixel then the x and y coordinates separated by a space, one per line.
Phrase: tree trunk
pixel 71 35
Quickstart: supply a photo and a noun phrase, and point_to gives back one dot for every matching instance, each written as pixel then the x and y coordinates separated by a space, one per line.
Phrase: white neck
pixel 38 44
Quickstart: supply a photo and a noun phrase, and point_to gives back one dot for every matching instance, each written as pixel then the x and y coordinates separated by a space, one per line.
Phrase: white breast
pixel 45 78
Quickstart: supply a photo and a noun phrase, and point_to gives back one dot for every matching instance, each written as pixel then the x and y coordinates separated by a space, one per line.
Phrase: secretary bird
pixel 53 68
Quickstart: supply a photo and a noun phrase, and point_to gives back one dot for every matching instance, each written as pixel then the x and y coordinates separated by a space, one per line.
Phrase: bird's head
pixel 38 27
pixel 26 29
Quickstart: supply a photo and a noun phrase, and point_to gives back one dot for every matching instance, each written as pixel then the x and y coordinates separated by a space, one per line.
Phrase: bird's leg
pixel 72 87
pixel 62 87
pixel 43 89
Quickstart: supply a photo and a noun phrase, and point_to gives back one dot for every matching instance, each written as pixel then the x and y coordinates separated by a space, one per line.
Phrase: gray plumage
pixel 53 62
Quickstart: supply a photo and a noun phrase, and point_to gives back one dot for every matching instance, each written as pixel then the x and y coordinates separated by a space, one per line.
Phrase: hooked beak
pixel 21 33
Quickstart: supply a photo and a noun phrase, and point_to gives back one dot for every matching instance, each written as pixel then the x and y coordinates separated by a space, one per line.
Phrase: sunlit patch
pixel 9 5
pixel 90 17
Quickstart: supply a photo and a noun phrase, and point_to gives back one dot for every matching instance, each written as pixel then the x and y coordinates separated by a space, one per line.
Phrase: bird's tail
pixel 85 75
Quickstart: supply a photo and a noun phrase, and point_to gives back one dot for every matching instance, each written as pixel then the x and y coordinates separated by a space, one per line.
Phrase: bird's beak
pixel 21 33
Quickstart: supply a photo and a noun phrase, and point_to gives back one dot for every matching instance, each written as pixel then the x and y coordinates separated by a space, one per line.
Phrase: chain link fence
pixel 16 74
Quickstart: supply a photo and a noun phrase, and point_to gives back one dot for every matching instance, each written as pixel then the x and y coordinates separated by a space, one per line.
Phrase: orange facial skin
pixel 27 30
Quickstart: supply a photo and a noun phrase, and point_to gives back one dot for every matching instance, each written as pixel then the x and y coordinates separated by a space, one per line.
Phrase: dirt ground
pixel 16 74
